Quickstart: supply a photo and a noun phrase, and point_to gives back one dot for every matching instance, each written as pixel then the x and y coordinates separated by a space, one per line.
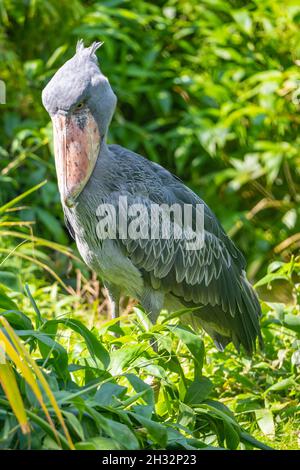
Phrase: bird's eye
pixel 79 106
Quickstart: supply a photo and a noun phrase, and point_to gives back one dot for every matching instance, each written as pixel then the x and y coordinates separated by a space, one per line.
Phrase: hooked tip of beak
pixel 70 201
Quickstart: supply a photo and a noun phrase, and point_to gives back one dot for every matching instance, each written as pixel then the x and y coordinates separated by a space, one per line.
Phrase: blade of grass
pixel 14 201
pixel 179 313
pixel 39 318
pixel 22 223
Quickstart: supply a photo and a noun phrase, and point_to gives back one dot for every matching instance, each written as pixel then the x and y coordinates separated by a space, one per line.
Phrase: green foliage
pixel 118 393
pixel 219 83
pixel 211 91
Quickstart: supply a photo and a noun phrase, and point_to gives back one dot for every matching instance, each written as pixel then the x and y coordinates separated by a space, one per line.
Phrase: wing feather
pixel 212 277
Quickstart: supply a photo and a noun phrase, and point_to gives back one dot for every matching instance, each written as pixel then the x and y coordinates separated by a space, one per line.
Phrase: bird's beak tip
pixel 70 201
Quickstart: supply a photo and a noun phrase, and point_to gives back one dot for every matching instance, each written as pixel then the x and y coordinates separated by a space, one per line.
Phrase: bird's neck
pixel 103 146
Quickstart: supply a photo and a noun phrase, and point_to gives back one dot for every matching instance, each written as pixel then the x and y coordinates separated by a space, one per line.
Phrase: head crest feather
pixel 92 48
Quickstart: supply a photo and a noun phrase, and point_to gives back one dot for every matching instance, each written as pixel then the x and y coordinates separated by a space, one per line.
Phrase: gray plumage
pixel 159 273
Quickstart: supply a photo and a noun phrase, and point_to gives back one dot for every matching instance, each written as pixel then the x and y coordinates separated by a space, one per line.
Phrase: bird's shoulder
pixel 162 185
pixel 135 165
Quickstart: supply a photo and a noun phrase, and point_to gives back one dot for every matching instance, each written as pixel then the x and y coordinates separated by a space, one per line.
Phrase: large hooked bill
pixel 76 147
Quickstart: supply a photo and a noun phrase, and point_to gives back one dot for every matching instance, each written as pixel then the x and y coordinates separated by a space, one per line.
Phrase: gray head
pixel 81 103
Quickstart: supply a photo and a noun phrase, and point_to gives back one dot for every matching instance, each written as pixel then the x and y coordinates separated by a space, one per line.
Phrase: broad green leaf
pixel 117 431
pixel 281 385
pixel 98 443
pixel 292 322
pixel 122 358
pixel 140 386
pixel 74 424
pixel 11 280
pixel 243 20
pixel 198 391
pixel 6 303
pixel 157 432
pixel 265 422
pixel 107 393
pixel 18 320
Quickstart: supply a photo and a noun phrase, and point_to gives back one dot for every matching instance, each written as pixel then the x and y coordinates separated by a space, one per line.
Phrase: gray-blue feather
pixel 158 272
pixel 212 278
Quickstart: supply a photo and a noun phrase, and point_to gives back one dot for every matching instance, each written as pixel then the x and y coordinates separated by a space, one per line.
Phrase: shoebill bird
pixel 158 272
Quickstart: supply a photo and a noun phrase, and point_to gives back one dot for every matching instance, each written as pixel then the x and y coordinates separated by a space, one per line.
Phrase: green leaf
pixel 140 386
pixel 269 278
pixel 243 20
pixel 119 432
pixel 121 358
pixel 157 432
pixel 52 224
pixel 49 347
pixel 107 392
pixel 265 422
pixel 198 391
pixel 74 424
pixel 281 385
pixel 292 322
pixel 11 280
pixel 56 55
pixel 232 437
pixel 248 439
pixel 194 343
pixel 5 302
pixel 39 319
pixel 18 320
pixel 94 346
pixel 98 443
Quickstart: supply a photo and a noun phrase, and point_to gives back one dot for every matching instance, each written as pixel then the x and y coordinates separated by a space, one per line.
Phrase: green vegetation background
pixel 211 90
